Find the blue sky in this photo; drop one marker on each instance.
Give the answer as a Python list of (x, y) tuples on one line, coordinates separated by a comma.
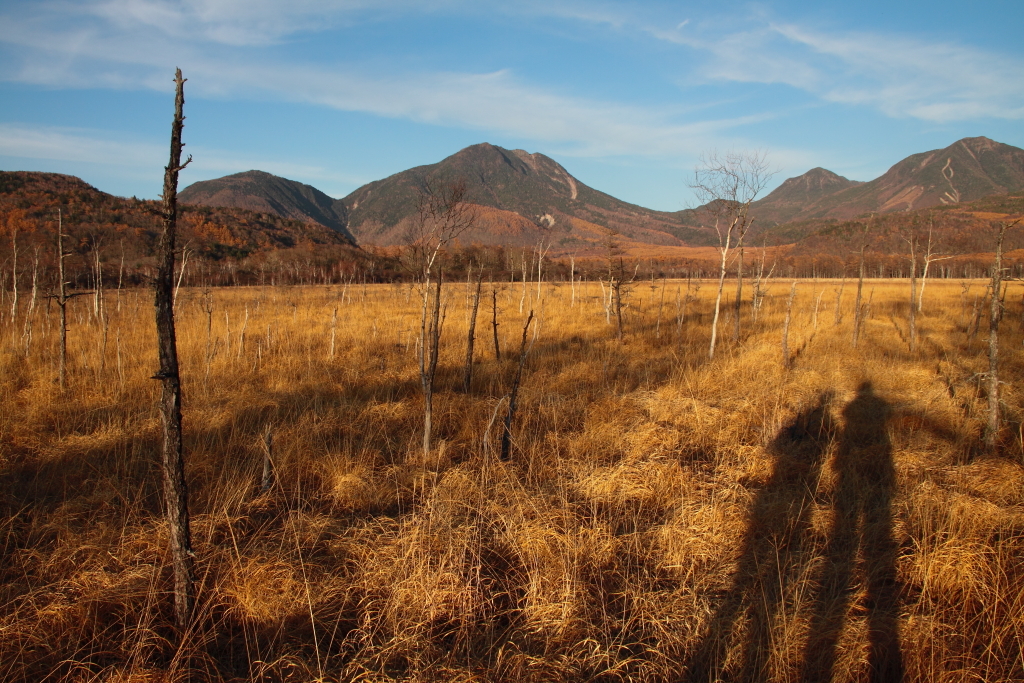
[(625, 95)]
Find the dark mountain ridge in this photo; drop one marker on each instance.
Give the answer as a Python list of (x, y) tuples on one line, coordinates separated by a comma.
[(267, 193), (31, 200), (793, 197), (533, 187), (969, 169), (523, 199), (526, 198)]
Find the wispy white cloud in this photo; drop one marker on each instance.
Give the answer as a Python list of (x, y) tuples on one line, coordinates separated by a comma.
[(64, 144), (501, 102), (236, 22), (899, 75), (497, 101), (101, 147), (130, 43), (908, 77)]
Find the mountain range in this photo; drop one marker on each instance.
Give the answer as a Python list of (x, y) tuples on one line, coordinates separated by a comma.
[(523, 198), (29, 204), (967, 170)]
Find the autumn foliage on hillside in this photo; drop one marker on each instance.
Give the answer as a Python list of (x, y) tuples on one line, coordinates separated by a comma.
[(123, 233), (229, 246)]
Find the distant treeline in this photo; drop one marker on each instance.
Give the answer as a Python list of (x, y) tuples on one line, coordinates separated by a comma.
[(109, 242), (29, 260)]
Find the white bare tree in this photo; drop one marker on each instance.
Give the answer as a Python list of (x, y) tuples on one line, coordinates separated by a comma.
[(994, 422), (929, 257), (726, 185), (443, 215)]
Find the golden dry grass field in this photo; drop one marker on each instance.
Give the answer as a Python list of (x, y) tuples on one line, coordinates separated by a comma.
[(663, 517)]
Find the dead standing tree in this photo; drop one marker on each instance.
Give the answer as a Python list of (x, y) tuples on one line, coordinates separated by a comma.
[(442, 215), (61, 297), (858, 312), (757, 298), (913, 242), (175, 487), (738, 306), (618, 285), (467, 373), (513, 396), (929, 257), (995, 315), (727, 186)]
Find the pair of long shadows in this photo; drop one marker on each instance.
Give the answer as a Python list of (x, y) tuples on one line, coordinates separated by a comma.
[(859, 555)]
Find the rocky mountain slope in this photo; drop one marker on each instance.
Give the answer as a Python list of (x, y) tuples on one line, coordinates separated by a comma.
[(524, 198), (969, 169), (267, 193), (792, 199)]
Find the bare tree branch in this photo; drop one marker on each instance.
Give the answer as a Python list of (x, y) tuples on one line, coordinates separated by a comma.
[(727, 185)]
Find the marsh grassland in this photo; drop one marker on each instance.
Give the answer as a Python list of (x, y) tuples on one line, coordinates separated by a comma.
[(828, 516)]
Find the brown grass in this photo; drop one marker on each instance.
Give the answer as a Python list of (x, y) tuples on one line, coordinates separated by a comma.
[(663, 517)]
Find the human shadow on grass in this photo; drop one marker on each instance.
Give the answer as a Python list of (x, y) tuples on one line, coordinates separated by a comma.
[(771, 552), (858, 572)]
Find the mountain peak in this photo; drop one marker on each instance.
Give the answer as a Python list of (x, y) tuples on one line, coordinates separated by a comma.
[(795, 195), (979, 143), (265, 192), (519, 193), (970, 168), (253, 173), (816, 181)]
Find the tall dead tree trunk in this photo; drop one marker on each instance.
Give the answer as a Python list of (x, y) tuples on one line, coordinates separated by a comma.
[(786, 361), (727, 186), (616, 288), (14, 275), (858, 313), (572, 280), (513, 397), (120, 277), (442, 217), (929, 258), (739, 290), (467, 375), (62, 303), (62, 297), (724, 252), (837, 313), (912, 313), (757, 298), (995, 313), (175, 487), (26, 333), (430, 334), (494, 323), (99, 303), (97, 278)]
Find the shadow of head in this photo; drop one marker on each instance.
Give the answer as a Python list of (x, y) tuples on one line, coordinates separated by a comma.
[(866, 417), (807, 437)]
